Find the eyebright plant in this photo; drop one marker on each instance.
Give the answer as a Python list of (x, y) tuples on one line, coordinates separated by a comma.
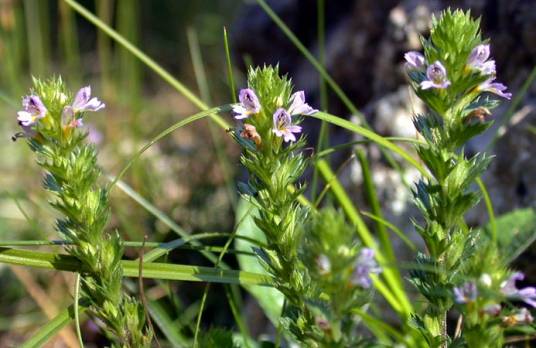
[(314, 256), (53, 128), (462, 268)]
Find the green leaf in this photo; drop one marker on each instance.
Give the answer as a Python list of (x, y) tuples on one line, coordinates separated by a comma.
[(155, 270), (270, 299), (516, 232), (46, 332), (168, 327)]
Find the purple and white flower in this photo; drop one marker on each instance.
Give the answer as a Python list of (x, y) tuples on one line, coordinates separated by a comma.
[(83, 101), (298, 106), (33, 111), (365, 266), (249, 104), (436, 75), (283, 126), (414, 60), (466, 293), (527, 295), (495, 88), (478, 59)]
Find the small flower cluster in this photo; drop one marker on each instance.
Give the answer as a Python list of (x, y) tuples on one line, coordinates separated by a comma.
[(468, 294), (437, 76), (33, 110), (282, 118)]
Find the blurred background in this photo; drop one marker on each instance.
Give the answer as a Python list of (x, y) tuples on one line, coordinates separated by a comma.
[(191, 176)]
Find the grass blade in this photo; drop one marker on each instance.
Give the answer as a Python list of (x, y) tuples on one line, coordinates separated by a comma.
[(372, 199), (513, 106), (167, 326), (375, 137), (145, 59), (202, 83), (46, 332), (230, 75), (76, 307), (393, 228), (167, 271), (489, 208)]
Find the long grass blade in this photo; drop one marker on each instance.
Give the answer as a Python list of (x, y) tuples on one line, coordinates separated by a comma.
[(372, 199), (393, 228), (489, 208), (309, 56), (513, 106), (76, 307), (49, 330), (60, 262), (167, 326), (148, 61), (104, 11), (376, 138), (202, 82), (69, 40), (230, 75), (379, 326), (323, 137)]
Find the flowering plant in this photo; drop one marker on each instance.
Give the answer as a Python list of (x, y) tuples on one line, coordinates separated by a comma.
[(327, 274), (53, 130)]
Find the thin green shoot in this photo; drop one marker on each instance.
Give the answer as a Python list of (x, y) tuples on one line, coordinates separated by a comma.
[(230, 75), (76, 310), (202, 83)]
